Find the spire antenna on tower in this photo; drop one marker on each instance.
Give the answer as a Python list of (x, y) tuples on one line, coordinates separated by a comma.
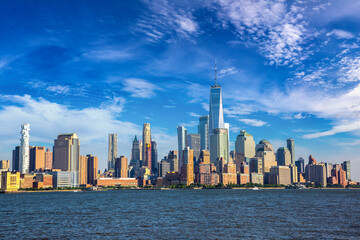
[(215, 75)]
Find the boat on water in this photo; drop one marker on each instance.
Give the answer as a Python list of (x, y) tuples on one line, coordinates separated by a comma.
[(256, 188)]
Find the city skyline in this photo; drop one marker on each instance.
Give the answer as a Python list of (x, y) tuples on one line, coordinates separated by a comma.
[(299, 82)]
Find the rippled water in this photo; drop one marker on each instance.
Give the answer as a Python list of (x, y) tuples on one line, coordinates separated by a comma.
[(179, 214)]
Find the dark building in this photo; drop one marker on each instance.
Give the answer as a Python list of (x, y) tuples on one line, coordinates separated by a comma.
[(300, 164), (154, 158), (16, 159)]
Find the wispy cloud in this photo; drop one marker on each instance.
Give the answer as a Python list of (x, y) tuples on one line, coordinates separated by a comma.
[(164, 22), (107, 55), (192, 114), (140, 88), (341, 34), (253, 122), (277, 28), (227, 71)]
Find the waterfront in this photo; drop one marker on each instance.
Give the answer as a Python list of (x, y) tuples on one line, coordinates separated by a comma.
[(176, 214)]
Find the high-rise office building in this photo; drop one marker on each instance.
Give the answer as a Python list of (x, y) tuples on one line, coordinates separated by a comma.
[(25, 149), (67, 155), (328, 167), (146, 139), (48, 159), (203, 130), (154, 158), (346, 166), (280, 175), (112, 150), (135, 151), (205, 157), (147, 162), (164, 167), (219, 147), (244, 147), (16, 158), (83, 170), (265, 151), (193, 141), (187, 171), (121, 167), (37, 158), (174, 161), (291, 146), (182, 143), (92, 165), (283, 156), (293, 173), (300, 163)]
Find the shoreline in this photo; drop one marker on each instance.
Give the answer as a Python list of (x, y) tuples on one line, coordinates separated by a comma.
[(146, 189)]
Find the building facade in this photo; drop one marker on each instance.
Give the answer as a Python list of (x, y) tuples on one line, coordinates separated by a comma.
[(25, 149), (203, 130), (67, 155), (112, 150), (182, 143), (291, 146)]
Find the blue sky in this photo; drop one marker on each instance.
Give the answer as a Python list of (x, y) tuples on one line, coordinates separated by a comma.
[(287, 69)]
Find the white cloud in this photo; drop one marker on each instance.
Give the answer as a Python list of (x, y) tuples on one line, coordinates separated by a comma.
[(341, 34), (253, 122), (350, 70), (164, 21), (189, 124), (140, 88), (192, 114), (107, 55), (227, 71), (58, 89), (277, 28)]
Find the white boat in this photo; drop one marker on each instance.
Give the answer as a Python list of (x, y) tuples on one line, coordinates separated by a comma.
[(255, 188)]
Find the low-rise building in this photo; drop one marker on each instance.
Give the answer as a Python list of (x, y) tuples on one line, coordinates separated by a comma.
[(127, 182), (10, 181)]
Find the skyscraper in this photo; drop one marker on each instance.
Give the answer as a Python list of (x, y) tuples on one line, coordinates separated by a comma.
[(203, 130), (146, 139), (265, 151), (216, 121), (219, 147), (25, 150), (67, 155), (283, 157), (291, 146), (113, 150), (16, 158), (121, 167), (83, 170), (135, 151), (193, 141), (182, 143), (300, 163), (346, 166), (187, 171), (92, 164), (154, 158), (147, 162), (48, 159), (244, 146), (37, 158)]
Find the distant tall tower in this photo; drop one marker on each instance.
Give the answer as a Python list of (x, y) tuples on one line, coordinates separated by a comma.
[(193, 141), (216, 121), (67, 155), (182, 143), (154, 158), (146, 139), (283, 156), (219, 147), (147, 162), (244, 146), (113, 150), (135, 151), (203, 130), (25, 150), (291, 146)]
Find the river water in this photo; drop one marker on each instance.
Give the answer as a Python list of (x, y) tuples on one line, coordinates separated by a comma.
[(182, 214)]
